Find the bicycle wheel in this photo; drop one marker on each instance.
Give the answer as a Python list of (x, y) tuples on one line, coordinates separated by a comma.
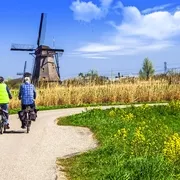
[(4, 128), (28, 129), (1, 128)]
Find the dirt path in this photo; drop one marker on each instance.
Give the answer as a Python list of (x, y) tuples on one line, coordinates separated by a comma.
[(33, 156)]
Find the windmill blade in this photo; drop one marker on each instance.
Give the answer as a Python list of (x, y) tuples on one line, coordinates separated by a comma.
[(54, 50), (42, 29), (25, 66), (57, 64), (22, 74), (22, 47)]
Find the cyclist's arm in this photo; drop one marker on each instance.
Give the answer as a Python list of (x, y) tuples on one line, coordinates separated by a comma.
[(20, 93), (34, 91), (9, 93)]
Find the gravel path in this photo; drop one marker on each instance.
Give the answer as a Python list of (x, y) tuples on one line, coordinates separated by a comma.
[(33, 156)]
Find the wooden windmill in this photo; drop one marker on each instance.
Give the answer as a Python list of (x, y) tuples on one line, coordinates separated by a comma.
[(24, 70), (46, 63)]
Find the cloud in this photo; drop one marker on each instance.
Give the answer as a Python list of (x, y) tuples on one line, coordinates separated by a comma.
[(89, 55), (85, 11), (88, 11), (138, 33), (106, 3), (157, 25), (156, 8), (96, 47)]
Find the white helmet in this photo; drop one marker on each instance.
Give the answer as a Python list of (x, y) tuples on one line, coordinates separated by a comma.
[(27, 79)]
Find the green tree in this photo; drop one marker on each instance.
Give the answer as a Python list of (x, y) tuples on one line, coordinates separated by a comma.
[(81, 75), (147, 70), (92, 74)]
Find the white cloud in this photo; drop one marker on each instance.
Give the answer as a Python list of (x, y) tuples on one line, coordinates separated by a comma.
[(85, 11), (88, 55), (97, 57), (88, 11), (156, 8), (119, 5), (138, 32), (106, 3), (157, 25), (96, 47)]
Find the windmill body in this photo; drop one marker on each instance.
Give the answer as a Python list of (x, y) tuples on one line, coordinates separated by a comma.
[(46, 63), (44, 67)]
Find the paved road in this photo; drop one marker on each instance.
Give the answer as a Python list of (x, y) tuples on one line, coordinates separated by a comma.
[(33, 156)]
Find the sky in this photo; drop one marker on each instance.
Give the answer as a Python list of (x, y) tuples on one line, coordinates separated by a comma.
[(108, 36)]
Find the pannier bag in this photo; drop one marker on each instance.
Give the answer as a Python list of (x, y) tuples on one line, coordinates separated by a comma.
[(22, 115), (32, 115)]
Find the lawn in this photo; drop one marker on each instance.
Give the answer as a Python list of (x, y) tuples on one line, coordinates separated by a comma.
[(136, 143)]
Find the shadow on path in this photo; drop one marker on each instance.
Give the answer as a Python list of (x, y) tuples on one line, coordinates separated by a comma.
[(14, 132)]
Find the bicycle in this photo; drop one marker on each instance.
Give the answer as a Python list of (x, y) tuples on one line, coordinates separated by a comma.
[(27, 115), (3, 118), (27, 118)]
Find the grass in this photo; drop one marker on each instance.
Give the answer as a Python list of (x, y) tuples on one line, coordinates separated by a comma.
[(141, 143)]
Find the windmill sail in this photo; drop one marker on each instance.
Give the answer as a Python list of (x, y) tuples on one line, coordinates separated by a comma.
[(42, 30), (22, 47)]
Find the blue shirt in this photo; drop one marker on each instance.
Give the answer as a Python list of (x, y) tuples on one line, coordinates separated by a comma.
[(27, 93)]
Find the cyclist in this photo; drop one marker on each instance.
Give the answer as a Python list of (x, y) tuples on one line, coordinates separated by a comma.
[(5, 95), (27, 95)]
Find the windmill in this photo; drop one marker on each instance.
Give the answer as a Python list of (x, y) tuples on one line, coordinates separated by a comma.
[(24, 70), (46, 59)]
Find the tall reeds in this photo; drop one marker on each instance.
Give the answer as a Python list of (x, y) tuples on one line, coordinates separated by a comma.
[(140, 91)]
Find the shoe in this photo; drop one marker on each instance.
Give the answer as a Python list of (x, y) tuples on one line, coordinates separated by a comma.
[(7, 126), (23, 127)]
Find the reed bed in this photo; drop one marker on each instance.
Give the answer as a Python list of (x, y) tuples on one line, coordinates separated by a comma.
[(147, 91)]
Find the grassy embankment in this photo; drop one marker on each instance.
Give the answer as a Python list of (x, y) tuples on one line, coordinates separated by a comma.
[(140, 143)]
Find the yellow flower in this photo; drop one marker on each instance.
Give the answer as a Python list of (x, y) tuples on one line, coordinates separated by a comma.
[(172, 148), (127, 117), (112, 113)]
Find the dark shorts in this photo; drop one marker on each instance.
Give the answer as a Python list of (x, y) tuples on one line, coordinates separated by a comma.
[(23, 106)]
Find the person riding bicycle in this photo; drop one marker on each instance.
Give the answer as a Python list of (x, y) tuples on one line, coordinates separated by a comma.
[(5, 95), (27, 95)]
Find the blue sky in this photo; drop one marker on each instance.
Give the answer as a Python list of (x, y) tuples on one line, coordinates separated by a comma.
[(109, 36)]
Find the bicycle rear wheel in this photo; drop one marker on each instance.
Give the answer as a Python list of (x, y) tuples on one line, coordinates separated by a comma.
[(4, 128), (28, 129), (1, 128)]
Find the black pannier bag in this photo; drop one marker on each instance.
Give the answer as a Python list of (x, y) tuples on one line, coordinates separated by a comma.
[(33, 115), (22, 115)]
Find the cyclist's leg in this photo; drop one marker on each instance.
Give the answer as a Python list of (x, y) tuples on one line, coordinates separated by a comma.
[(23, 123), (23, 106), (5, 107)]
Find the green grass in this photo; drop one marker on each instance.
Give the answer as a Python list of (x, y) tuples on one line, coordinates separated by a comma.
[(42, 108), (131, 144)]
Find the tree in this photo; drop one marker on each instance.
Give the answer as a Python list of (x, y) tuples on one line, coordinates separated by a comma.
[(92, 74), (147, 70), (81, 75)]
